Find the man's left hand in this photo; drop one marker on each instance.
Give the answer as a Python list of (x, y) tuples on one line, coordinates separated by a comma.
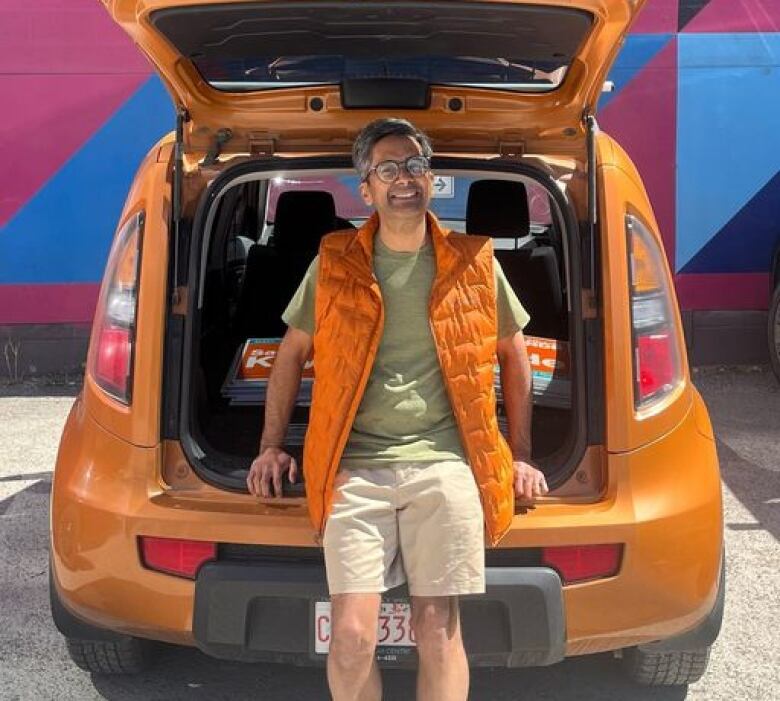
[(529, 482)]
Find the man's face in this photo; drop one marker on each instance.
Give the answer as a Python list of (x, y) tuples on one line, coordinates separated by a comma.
[(407, 197)]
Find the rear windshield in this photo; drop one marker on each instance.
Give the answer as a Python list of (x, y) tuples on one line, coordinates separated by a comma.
[(268, 72), (449, 203), (261, 46)]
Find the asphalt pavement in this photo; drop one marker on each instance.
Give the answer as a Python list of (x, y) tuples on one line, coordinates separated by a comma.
[(745, 665)]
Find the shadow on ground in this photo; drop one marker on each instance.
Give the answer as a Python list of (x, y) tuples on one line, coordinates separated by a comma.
[(744, 406), (187, 674), (42, 486), (41, 387), (756, 488)]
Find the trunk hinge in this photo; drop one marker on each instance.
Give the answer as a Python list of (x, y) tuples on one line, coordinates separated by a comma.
[(590, 296), (182, 116), (220, 139)]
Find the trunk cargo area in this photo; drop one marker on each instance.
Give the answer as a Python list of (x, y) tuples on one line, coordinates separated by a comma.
[(260, 230)]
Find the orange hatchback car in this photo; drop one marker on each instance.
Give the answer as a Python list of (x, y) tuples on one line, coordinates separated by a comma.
[(153, 533)]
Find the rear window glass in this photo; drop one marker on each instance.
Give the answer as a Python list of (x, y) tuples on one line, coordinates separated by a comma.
[(240, 47), (268, 72), (449, 201)]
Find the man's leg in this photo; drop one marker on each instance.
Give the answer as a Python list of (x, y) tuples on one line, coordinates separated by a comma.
[(442, 541), (443, 674), (360, 544), (353, 674)]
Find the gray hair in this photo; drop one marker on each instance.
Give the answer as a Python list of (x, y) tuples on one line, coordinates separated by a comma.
[(378, 129)]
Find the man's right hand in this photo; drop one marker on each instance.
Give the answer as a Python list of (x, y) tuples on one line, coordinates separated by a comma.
[(267, 469)]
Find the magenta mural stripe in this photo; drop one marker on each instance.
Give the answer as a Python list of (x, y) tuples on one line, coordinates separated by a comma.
[(65, 36), (723, 16), (725, 291), (657, 17), (62, 112), (48, 304), (643, 119)]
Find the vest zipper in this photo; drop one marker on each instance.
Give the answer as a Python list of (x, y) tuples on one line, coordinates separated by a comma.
[(348, 419), (457, 422)]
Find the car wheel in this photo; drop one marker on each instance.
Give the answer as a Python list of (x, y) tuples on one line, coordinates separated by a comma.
[(774, 332), (126, 656), (665, 668)]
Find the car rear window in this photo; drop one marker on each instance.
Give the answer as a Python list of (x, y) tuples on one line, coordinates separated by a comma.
[(268, 72), (450, 198), (261, 46)]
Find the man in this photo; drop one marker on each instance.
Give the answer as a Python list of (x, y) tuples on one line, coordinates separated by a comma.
[(406, 470)]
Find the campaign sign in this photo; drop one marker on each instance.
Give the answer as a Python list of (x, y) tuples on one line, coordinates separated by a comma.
[(257, 359)]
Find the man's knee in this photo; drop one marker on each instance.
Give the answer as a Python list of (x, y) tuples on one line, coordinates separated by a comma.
[(353, 633), (436, 625)]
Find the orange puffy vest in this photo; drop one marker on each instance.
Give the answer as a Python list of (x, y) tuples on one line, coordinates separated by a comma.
[(349, 318)]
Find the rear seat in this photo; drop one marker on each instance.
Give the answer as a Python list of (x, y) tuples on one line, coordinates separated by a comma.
[(499, 208), (273, 273)]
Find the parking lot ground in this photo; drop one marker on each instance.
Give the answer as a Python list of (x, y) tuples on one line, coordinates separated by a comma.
[(745, 407)]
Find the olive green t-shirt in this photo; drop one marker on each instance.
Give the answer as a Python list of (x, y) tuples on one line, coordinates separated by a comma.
[(405, 414)]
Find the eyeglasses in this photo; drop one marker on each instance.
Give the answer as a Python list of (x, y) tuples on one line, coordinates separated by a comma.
[(388, 171)]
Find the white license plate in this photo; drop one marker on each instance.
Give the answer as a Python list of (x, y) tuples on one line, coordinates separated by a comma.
[(394, 627)]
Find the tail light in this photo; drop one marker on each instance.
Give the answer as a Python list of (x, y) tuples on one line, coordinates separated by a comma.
[(113, 330), (579, 563), (657, 356), (182, 558)]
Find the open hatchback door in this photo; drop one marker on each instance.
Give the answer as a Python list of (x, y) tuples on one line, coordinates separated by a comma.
[(269, 77)]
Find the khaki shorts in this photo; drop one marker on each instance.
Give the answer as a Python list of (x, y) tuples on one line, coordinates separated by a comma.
[(415, 522)]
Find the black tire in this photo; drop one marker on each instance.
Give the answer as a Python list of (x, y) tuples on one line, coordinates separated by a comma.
[(665, 668), (126, 656), (773, 336)]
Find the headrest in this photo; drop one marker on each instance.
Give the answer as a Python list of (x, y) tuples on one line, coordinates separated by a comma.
[(302, 219), (498, 208)]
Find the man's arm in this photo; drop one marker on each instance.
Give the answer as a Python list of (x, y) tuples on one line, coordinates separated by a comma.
[(515, 376), (516, 388), (283, 384), (272, 461)]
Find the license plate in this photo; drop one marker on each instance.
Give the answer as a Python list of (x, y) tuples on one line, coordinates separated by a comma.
[(394, 627)]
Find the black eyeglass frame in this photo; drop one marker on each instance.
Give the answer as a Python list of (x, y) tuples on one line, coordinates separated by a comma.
[(401, 164)]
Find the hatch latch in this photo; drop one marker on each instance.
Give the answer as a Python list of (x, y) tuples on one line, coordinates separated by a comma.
[(261, 145), (511, 147)]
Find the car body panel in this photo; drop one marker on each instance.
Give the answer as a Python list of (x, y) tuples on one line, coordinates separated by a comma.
[(662, 501), (139, 423), (285, 118), (621, 191)]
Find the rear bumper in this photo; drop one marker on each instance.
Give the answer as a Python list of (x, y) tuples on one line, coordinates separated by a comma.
[(662, 503), (266, 613)]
